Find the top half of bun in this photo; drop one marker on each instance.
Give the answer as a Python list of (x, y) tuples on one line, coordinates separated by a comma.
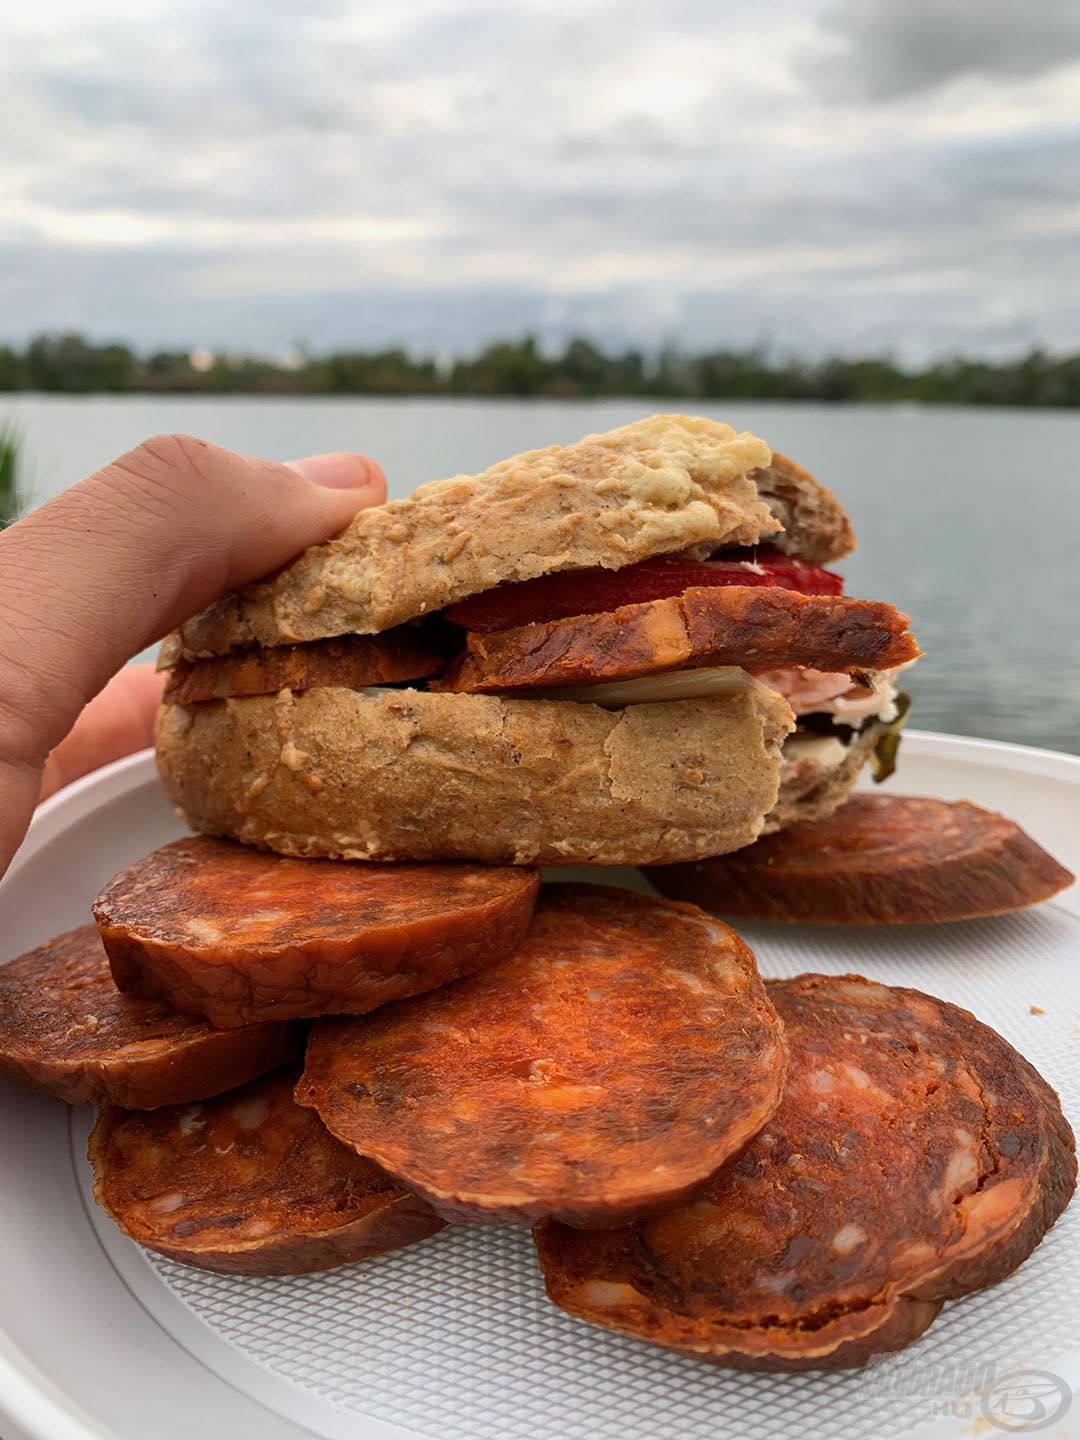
[(664, 484)]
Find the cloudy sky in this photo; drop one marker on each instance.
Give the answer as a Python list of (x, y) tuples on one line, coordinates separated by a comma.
[(813, 174)]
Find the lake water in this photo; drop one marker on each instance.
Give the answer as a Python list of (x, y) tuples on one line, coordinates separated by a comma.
[(968, 519)]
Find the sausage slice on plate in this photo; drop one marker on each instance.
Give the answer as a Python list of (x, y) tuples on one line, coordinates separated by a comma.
[(882, 859), (237, 935), (915, 1157), (67, 1030), (603, 1072), (248, 1183)]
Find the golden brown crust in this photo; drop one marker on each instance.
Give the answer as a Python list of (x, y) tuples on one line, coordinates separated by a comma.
[(915, 1157), (602, 1073), (753, 626), (350, 660), (879, 859), (249, 1183), (816, 525), (407, 775), (662, 484), (237, 935), (66, 1030)]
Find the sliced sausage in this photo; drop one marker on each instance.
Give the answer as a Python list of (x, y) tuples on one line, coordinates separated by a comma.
[(915, 1157), (352, 660), (604, 1071), (239, 936), (881, 859), (67, 1030), (248, 1183), (757, 628)]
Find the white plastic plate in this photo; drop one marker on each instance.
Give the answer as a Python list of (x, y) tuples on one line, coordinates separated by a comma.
[(454, 1338)]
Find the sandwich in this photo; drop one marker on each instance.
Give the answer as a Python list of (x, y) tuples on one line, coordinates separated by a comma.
[(619, 652)]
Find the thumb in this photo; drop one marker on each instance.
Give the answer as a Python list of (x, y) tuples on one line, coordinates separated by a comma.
[(115, 562), (340, 470)]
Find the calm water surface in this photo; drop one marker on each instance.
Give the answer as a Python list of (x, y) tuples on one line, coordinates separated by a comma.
[(967, 519)]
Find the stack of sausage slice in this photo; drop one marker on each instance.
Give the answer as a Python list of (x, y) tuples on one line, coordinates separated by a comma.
[(915, 1157), (181, 1016), (789, 1175)]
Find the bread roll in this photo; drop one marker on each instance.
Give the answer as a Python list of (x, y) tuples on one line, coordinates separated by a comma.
[(408, 775)]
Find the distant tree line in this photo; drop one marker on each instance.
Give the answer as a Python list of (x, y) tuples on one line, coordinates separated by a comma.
[(72, 364)]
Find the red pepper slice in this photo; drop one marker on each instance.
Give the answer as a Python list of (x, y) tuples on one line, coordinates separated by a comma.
[(588, 592)]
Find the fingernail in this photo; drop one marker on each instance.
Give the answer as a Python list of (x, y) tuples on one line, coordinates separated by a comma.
[(341, 470)]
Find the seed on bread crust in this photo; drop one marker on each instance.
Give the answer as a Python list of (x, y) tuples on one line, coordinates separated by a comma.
[(656, 486)]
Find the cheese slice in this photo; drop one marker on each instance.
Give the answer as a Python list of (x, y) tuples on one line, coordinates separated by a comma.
[(705, 684), (827, 750)]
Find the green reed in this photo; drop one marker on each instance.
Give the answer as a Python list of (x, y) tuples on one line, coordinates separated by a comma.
[(11, 447)]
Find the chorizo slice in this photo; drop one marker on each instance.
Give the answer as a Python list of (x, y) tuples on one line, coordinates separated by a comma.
[(755, 627), (604, 1071), (350, 660), (915, 1157), (248, 1183), (240, 936), (879, 859), (66, 1029)]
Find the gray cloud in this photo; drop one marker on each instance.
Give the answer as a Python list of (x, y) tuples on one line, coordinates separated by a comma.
[(896, 48), (244, 176), (207, 72), (935, 305)]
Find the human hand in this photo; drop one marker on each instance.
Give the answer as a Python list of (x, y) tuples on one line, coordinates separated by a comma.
[(116, 562)]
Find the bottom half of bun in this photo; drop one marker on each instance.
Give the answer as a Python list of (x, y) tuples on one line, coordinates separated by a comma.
[(407, 775)]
